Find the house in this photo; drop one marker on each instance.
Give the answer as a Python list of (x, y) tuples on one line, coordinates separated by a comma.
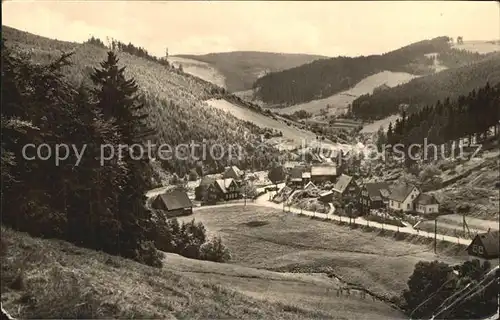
[(201, 189), (346, 187), (306, 177), (374, 195), (485, 247), (223, 190), (174, 203), (310, 186), (233, 172), (326, 196), (426, 204), (289, 165), (401, 197), (323, 173), (295, 177)]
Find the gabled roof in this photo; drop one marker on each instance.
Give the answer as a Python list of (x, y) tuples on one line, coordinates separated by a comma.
[(328, 170), (325, 194), (490, 243), (375, 190), (401, 192), (206, 181), (342, 183), (310, 185), (233, 171), (175, 199), (426, 199), (224, 184)]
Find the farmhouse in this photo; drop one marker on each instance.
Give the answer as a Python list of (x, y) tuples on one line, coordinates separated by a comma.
[(295, 179), (374, 195), (323, 173), (201, 189), (346, 187), (174, 203), (223, 189), (485, 247), (233, 172), (402, 197), (426, 204)]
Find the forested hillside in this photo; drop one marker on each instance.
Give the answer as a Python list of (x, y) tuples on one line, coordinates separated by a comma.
[(427, 90), (173, 100), (323, 78), (242, 68), (468, 115)]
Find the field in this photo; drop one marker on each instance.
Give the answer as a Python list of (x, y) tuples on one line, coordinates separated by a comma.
[(374, 126), (341, 100), (481, 47), (199, 69), (284, 242), (59, 280), (452, 225), (289, 132)]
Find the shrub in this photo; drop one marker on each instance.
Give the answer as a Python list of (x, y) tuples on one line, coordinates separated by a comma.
[(214, 250)]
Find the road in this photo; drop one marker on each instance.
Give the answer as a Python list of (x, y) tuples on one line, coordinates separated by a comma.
[(263, 201)]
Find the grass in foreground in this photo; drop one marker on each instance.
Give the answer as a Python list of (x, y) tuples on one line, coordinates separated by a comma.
[(54, 279), (288, 242)]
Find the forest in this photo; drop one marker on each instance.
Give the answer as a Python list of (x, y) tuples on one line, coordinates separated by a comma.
[(325, 77), (427, 90)]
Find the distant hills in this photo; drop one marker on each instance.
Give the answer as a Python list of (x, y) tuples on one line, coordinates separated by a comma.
[(323, 78), (242, 68)]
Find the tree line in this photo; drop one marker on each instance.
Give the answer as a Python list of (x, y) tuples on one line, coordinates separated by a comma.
[(427, 90), (470, 116), (325, 77)]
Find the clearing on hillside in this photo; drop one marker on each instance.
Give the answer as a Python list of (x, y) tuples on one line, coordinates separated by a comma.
[(384, 123), (199, 69), (292, 133), (339, 102), (293, 243), (482, 47)]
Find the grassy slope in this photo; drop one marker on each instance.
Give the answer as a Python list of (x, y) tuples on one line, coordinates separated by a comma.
[(242, 68), (447, 83), (481, 47), (287, 242), (341, 100), (199, 69), (53, 279)]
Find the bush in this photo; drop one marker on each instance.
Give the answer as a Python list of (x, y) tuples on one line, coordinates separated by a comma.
[(215, 251)]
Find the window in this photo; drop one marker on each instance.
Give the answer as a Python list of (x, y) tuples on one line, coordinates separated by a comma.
[(407, 206), (430, 209), (392, 203), (474, 248), (399, 205), (480, 250)]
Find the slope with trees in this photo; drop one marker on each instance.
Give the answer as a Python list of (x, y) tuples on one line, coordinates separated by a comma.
[(427, 90), (242, 68), (323, 78)]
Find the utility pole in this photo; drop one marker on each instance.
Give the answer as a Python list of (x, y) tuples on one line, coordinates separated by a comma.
[(435, 235)]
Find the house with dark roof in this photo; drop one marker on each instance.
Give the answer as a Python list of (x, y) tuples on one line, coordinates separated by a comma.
[(223, 190), (200, 190), (233, 172), (374, 195), (346, 187), (485, 247), (295, 178), (323, 173), (326, 196), (402, 196), (174, 203), (426, 204)]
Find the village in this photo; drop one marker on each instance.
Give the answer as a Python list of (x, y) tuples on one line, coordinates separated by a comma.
[(330, 190)]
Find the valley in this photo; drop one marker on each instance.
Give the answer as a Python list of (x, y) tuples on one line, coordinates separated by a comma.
[(276, 189)]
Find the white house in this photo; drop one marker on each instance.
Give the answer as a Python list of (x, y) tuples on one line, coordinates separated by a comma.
[(402, 198), (426, 204)]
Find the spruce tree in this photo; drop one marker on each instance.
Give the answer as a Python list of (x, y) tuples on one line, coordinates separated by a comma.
[(118, 99)]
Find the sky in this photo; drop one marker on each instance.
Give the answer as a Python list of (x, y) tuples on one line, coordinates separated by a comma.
[(350, 28)]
